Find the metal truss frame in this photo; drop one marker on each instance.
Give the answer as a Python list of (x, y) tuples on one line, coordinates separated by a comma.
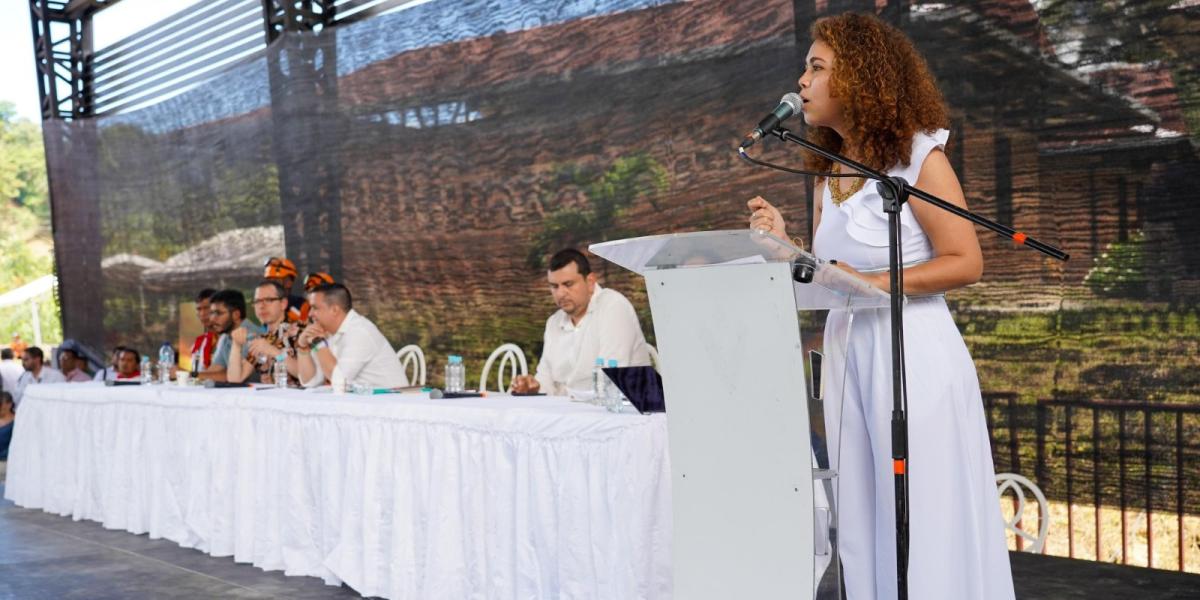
[(62, 49), (290, 15)]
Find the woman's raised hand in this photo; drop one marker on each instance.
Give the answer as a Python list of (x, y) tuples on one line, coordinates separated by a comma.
[(766, 218)]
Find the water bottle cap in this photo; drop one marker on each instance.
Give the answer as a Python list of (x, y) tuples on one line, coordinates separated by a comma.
[(281, 356), (612, 363), (599, 362)]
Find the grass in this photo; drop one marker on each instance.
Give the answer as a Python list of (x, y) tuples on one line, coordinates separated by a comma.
[(1123, 351), (1081, 529), (1114, 351)]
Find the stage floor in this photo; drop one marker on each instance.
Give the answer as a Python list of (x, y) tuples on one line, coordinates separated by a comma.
[(44, 556), (48, 557)]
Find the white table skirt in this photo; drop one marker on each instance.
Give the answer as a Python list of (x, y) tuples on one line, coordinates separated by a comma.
[(396, 495)]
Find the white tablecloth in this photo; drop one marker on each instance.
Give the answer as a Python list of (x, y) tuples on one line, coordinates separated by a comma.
[(396, 495)]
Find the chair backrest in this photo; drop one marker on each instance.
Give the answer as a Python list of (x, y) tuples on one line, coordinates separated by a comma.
[(653, 356), (1018, 485), (512, 358), (412, 355)]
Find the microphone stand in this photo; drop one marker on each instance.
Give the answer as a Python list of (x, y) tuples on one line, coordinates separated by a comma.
[(895, 192)]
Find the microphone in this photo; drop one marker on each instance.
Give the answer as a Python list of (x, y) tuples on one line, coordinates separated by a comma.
[(788, 106)]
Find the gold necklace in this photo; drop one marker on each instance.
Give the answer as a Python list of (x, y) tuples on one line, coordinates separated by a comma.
[(835, 187)]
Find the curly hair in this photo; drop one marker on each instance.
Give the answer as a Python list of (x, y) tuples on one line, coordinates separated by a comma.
[(886, 89)]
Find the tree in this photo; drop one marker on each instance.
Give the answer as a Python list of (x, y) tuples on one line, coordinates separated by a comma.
[(26, 248), (608, 194), (1088, 33), (23, 164)]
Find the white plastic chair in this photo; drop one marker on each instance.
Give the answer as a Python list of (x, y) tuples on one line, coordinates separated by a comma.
[(653, 356), (510, 356), (412, 355), (1018, 486)]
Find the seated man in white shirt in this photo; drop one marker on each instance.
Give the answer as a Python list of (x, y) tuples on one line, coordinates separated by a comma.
[(591, 322), (344, 344), (35, 372), (10, 370)]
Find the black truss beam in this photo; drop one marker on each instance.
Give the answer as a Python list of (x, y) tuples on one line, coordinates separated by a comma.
[(300, 34), (63, 55), (291, 15)]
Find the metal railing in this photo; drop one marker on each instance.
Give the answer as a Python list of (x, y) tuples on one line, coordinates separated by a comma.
[(1120, 455)]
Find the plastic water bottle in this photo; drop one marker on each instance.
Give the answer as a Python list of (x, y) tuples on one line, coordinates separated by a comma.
[(338, 382), (166, 358), (144, 368), (280, 373), (460, 375), (454, 381), (599, 382), (614, 398), (196, 366)]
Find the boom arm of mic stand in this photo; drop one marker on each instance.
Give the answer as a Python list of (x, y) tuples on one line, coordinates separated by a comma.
[(910, 190)]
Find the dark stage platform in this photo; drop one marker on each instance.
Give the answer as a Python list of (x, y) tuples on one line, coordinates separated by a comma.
[(44, 556)]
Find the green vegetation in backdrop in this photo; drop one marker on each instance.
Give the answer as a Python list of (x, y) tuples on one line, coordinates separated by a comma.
[(26, 247)]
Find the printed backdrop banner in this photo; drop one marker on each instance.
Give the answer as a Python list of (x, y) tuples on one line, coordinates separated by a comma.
[(433, 157)]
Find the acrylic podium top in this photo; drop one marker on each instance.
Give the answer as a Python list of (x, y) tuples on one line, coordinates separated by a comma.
[(830, 287)]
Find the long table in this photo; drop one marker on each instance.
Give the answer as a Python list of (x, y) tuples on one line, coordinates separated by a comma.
[(396, 495)]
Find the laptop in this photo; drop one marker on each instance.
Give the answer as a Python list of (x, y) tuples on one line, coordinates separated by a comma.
[(641, 385)]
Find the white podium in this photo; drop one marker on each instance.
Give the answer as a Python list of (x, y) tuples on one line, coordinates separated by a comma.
[(749, 522)]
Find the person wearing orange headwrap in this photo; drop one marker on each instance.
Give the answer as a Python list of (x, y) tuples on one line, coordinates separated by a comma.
[(316, 279), (284, 271)]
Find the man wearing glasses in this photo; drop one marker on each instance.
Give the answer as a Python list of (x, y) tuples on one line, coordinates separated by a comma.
[(284, 272), (270, 306), (227, 312)]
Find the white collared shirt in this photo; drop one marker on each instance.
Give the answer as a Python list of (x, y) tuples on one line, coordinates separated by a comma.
[(47, 375), (363, 356), (10, 373), (108, 373), (609, 330)]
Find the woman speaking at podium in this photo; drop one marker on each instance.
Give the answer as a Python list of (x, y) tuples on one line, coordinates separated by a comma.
[(869, 95)]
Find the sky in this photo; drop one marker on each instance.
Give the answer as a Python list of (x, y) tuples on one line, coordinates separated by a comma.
[(18, 84)]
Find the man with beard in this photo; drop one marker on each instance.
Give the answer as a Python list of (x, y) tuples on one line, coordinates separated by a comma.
[(227, 312), (35, 372)]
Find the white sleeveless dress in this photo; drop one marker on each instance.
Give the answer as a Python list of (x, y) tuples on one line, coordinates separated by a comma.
[(957, 544)]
